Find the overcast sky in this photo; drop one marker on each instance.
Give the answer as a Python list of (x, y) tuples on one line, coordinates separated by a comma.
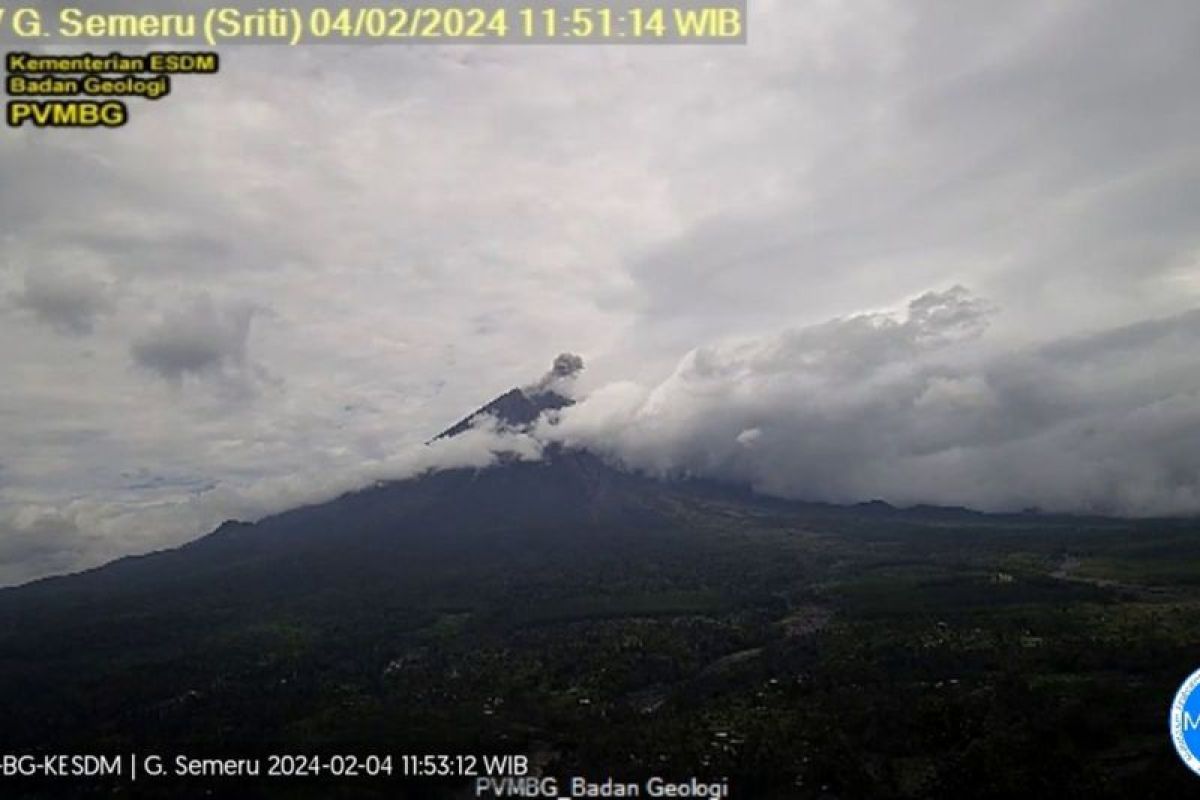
[(923, 251)]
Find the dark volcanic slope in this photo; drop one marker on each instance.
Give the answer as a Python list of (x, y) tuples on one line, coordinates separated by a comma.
[(388, 530), (515, 408), (366, 541)]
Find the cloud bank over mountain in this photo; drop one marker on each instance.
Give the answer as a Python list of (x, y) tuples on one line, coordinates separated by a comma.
[(916, 407)]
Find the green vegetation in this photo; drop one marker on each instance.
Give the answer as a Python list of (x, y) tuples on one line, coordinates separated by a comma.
[(803, 651)]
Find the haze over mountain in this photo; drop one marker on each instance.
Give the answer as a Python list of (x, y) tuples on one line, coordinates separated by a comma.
[(485, 482)]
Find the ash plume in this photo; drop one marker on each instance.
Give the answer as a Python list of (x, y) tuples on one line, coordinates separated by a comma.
[(562, 373)]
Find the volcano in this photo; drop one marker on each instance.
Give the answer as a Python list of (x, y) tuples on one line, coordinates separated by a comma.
[(609, 623), (387, 532)]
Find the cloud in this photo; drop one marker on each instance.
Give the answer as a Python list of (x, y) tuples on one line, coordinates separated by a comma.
[(561, 376), (68, 303), (917, 407), (37, 539), (35, 542), (199, 339)]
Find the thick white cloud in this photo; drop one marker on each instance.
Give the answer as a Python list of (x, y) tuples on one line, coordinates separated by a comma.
[(917, 408), (420, 228)]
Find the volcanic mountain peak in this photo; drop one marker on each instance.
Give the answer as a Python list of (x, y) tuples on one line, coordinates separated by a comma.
[(515, 409), (518, 408)]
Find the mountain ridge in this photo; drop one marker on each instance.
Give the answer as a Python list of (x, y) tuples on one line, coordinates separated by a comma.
[(566, 487)]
